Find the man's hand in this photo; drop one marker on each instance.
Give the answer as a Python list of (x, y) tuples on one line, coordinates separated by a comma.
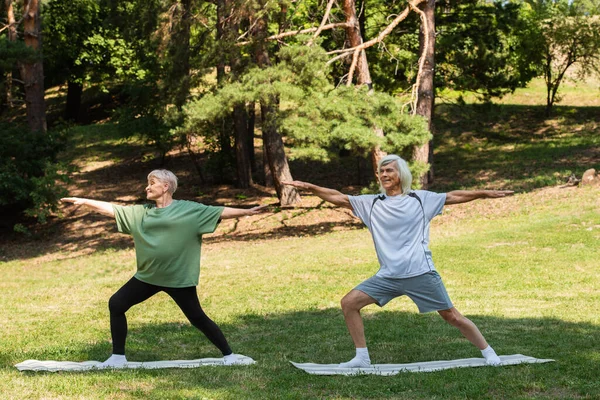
[(331, 195), (494, 194), (464, 196), (297, 184)]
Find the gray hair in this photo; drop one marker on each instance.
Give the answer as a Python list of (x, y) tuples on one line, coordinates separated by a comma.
[(165, 176), (403, 171)]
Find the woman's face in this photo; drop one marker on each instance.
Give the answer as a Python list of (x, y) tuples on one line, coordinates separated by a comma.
[(156, 189), (389, 176)]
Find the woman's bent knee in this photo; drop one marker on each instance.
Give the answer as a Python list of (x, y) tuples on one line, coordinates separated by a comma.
[(115, 306)]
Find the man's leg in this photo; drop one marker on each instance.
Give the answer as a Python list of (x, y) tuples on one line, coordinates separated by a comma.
[(471, 332), (130, 294), (187, 300), (352, 303)]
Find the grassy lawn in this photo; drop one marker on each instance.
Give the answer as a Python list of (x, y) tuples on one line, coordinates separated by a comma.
[(524, 269), (526, 274)]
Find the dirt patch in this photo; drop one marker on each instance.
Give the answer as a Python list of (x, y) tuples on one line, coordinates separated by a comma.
[(77, 231)]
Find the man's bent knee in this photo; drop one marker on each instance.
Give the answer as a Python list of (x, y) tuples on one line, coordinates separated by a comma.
[(451, 316), (355, 301)]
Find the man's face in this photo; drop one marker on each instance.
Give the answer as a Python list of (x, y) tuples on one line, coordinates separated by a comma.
[(389, 176), (156, 189)]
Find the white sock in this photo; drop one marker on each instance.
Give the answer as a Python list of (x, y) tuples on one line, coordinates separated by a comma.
[(115, 361), (491, 358), (237, 359), (361, 360)]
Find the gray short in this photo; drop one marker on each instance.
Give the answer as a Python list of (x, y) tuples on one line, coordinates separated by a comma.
[(427, 291)]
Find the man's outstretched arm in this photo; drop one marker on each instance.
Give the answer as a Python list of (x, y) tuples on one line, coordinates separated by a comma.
[(101, 207), (464, 196), (330, 195)]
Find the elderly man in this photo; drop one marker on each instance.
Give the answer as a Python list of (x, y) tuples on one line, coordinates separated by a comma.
[(398, 220), (168, 239)]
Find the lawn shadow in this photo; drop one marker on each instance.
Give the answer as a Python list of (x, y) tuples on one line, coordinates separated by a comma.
[(320, 336), (513, 146), (80, 231)]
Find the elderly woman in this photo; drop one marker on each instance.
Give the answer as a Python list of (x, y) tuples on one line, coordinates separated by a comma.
[(398, 220), (168, 239)]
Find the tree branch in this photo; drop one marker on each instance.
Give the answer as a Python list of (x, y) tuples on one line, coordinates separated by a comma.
[(421, 59), (299, 32), (382, 35), (325, 18)]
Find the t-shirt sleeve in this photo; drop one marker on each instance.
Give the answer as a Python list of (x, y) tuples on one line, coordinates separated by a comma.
[(361, 206), (433, 203), (125, 217), (208, 218)]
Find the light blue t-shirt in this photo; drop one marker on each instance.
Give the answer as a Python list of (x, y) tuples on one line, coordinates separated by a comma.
[(400, 231)]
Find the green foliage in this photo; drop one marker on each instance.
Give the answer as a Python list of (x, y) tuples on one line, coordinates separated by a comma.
[(317, 119), (28, 170), (67, 26), (484, 48), (565, 34), (109, 58), (11, 52)]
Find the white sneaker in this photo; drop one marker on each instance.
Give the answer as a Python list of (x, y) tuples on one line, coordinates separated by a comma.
[(114, 361), (237, 359), (356, 362), (493, 360)]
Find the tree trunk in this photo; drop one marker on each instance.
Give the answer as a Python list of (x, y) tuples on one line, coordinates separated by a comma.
[(355, 39), (250, 111), (272, 140), (242, 154), (74, 92), (426, 92), (364, 76), (548, 79), (180, 52), (288, 196), (243, 146), (12, 37), (32, 73)]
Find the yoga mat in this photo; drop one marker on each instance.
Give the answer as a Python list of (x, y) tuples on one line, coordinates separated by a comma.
[(54, 366), (427, 366)]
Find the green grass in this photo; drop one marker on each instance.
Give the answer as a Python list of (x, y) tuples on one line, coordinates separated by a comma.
[(524, 269), (526, 274), (511, 144)]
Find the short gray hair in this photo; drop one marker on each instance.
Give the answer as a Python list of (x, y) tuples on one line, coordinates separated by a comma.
[(165, 176), (403, 171)]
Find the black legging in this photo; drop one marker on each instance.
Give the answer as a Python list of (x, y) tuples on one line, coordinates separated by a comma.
[(136, 291)]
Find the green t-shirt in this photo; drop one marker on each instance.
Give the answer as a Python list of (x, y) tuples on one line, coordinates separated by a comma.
[(168, 240)]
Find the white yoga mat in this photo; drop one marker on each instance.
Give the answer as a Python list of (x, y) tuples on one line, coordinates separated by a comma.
[(54, 366), (428, 366)]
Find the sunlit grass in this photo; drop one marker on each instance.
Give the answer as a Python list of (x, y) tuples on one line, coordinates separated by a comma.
[(526, 274)]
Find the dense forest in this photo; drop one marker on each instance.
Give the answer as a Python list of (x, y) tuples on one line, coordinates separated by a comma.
[(313, 79)]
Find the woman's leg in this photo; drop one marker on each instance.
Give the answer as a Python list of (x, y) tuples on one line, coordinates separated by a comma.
[(130, 294), (187, 300)]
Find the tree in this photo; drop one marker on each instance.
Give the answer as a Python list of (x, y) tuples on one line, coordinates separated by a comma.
[(11, 35), (425, 88), (272, 140), (67, 27), (566, 38), (569, 42), (32, 72)]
